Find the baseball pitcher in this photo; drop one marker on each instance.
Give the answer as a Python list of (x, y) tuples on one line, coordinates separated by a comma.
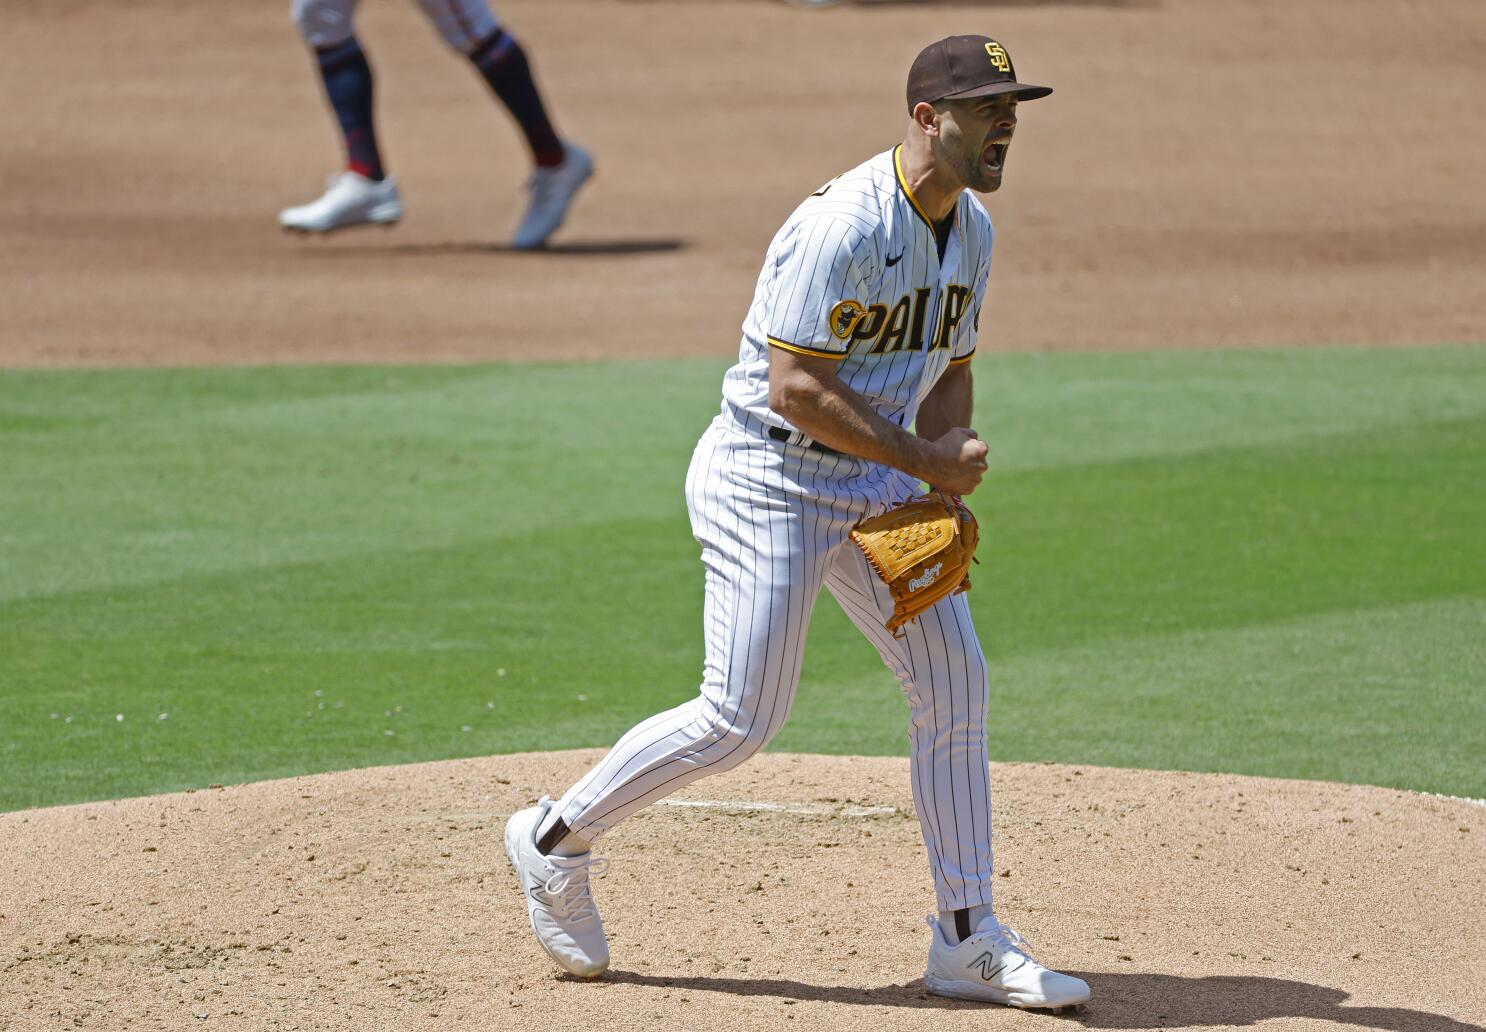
[(852, 386)]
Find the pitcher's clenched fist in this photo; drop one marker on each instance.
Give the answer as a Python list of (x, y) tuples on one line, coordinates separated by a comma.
[(963, 457)]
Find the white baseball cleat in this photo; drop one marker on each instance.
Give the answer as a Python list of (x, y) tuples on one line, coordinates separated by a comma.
[(350, 199), (994, 964), (552, 191), (557, 896)]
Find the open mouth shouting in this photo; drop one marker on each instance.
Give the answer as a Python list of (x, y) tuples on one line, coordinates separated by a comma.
[(994, 155)]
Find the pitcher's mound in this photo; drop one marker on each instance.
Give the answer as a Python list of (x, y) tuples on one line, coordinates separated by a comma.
[(787, 894)]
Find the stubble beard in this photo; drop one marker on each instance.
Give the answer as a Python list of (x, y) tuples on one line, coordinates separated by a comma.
[(951, 152)]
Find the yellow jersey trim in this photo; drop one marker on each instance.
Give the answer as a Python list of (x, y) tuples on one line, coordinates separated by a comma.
[(903, 185), (797, 349), (962, 359)]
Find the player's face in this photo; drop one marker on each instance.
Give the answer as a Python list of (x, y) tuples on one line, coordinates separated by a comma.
[(974, 136)]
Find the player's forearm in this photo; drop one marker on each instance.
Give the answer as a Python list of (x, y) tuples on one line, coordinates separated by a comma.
[(949, 404), (838, 417)]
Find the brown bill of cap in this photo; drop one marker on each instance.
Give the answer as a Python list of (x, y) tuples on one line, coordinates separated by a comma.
[(966, 66)]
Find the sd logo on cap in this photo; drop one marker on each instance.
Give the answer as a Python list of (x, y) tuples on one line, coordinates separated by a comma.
[(956, 67)]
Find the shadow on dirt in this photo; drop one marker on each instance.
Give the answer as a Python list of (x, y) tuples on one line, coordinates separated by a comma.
[(567, 249), (979, 3), (1143, 1000), (1121, 1001)]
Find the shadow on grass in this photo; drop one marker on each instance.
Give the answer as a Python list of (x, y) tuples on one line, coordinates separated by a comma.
[(1120, 1001)]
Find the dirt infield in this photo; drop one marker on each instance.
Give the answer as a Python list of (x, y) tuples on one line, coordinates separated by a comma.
[(382, 899), (1208, 173)]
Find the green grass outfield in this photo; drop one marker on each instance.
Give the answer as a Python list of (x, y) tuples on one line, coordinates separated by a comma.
[(1268, 562)]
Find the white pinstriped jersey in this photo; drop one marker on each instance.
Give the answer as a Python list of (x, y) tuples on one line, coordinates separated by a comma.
[(854, 274)]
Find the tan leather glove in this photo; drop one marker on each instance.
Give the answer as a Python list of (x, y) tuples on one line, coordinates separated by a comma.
[(922, 550)]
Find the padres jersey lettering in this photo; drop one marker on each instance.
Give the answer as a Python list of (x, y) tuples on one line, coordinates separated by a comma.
[(855, 275)]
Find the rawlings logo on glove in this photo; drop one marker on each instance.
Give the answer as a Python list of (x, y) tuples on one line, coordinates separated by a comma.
[(922, 550), (930, 575)]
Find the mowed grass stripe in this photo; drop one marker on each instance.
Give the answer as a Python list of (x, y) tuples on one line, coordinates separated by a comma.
[(291, 563), (1344, 696), (182, 472)]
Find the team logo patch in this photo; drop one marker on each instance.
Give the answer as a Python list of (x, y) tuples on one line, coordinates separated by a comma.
[(999, 57), (844, 318)]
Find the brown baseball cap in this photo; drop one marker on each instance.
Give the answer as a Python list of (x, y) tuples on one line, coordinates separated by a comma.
[(965, 66)]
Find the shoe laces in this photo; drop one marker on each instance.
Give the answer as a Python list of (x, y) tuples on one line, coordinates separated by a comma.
[(569, 888), (1010, 938), (1003, 935)]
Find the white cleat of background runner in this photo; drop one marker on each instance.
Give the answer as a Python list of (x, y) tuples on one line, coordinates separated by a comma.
[(350, 199), (552, 192)]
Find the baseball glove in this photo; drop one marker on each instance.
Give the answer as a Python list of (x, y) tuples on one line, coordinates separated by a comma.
[(922, 550)]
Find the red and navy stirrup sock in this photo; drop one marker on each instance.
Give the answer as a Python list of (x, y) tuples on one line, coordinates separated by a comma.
[(500, 59), (348, 85)]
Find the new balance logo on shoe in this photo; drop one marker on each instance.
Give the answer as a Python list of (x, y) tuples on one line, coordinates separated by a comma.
[(984, 962)]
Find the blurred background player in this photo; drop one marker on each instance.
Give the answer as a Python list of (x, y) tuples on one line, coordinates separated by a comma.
[(364, 193)]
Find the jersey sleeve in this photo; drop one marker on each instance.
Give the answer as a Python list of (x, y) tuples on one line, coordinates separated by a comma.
[(818, 287)]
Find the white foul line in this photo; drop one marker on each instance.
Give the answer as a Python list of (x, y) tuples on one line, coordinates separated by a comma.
[(814, 809), (1459, 799)]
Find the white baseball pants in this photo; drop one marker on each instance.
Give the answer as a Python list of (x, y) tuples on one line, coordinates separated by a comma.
[(464, 24), (773, 520)]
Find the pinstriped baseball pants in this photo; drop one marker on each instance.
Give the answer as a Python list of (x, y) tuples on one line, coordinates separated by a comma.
[(773, 521)]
